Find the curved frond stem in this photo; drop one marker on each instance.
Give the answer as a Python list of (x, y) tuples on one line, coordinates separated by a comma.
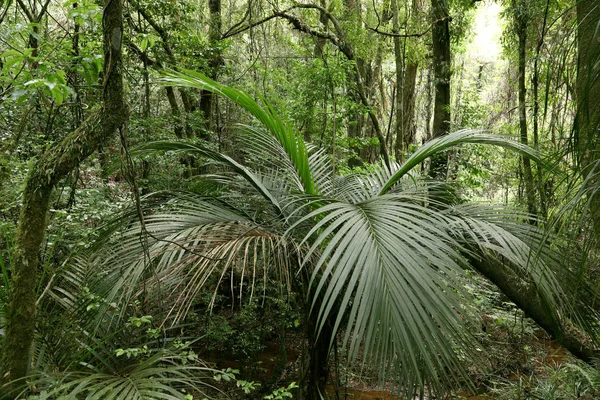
[(454, 139), (292, 143)]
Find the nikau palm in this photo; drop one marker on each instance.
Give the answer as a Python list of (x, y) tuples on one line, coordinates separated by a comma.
[(382, 265)]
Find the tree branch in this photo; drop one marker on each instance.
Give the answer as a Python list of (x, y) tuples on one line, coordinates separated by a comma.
[(239, 28), (399, 35), (142, 55), (5, 11), (159, 29), (25, 10), (302, 27), (340, 41), (42, 11)]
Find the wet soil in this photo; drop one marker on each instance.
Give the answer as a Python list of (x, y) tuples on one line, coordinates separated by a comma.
[(270, 361)]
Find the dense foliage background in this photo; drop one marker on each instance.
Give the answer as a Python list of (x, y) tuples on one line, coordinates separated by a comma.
[(388, 197)]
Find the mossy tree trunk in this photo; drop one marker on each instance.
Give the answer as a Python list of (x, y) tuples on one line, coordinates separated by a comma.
[(54, 164), (526, 295)]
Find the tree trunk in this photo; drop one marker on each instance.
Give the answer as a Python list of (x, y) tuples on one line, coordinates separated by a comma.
[(406, 81), (54, 164), (442, 73), (428, 103), (320, 42), (409, 129), (588, 97), (372, 84), (521, 30), (176, 114), (318, 363), (74, 75), (526, 296), (356, 116), (399, 59), (215, 61), (355, 124), (536, 111), (318, 53)]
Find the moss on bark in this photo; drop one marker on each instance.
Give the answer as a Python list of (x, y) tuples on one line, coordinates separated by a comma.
[(54, 164), (528, 298)]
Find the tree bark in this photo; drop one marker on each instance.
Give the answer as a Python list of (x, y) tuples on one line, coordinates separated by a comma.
[(409, 85), (527, 297), (521, 30), (215, 61), (406, 81), (54, 164), (536, 111), (428, 103), (399, 59), (442, 74), (587, 126)]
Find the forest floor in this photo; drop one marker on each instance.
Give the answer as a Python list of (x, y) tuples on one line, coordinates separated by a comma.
[(523, 361)]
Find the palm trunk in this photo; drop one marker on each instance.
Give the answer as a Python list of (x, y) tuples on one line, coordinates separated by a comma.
[(318, 363)]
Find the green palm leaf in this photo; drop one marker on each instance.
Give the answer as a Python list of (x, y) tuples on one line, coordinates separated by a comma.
[(198, 149), (191, 241), (467, 136), (293, 144), (391, 269), (160, 377), (387, 268)]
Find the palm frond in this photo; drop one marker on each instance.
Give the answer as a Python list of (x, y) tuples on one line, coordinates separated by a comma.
[(190, 241), (263, 152), (321, 165), (497, 231), (466, 136), (293, 144), (160, 377), (387, 268), (533, 260), (211, 154), (391, 269)]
